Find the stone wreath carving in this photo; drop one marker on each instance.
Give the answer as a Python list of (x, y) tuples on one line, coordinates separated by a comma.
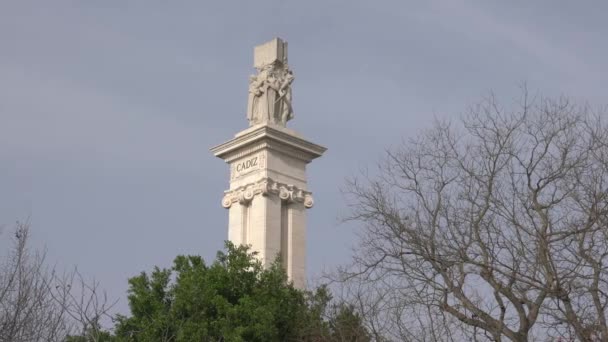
[(267, 187)]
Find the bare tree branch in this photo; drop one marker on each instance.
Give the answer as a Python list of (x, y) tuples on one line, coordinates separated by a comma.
[(36, 304), (496, 227)]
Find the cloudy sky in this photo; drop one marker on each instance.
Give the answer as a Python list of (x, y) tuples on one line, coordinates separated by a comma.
[(108, 108)]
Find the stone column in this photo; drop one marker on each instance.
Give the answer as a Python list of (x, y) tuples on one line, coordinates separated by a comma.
[(268, 194), (296, 258)]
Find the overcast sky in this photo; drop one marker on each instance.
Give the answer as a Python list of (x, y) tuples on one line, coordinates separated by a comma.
[(108, 108)]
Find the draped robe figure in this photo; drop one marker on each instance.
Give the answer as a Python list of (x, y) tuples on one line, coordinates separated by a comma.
[(269, 98), (255, 94), (286, 111)]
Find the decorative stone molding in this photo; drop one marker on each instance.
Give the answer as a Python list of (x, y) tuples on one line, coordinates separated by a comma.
[(268, 137), (267, 187)]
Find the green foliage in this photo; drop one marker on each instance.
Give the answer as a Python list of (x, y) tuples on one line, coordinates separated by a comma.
[(92, 335), (346, 325), (233, 299)]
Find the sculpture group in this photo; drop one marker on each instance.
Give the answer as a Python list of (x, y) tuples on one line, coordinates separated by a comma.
[(268, 195), (270, 90)]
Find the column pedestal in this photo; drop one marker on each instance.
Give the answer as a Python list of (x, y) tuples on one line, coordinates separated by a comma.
[(268, 195)]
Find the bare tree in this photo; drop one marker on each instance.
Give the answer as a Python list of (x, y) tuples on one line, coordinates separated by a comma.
[(492, 229), (37, 304)]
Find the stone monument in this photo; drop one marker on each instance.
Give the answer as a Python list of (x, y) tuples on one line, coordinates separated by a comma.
[(268, 194)]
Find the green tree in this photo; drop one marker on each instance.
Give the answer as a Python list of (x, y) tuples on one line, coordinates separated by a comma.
[(233, 299), (346, 325), (92, 335)]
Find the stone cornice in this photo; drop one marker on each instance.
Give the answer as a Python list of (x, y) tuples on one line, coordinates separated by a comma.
[(270, 137), (267, 187)]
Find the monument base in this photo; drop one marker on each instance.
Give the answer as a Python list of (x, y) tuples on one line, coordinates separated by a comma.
[(268, 196)]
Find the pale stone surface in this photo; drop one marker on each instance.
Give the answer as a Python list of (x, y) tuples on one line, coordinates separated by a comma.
[(270, 52), (280, 155), (296, 262), (269, 98), (238, 224), (268, 194)]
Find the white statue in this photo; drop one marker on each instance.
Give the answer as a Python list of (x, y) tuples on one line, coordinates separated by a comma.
[(286, 112), (270, 90)]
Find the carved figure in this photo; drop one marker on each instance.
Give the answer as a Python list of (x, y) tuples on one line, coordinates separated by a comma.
[(286, 112), (269, 98)]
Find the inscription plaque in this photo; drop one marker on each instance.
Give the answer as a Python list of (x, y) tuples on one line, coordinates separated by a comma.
[(247, 165)]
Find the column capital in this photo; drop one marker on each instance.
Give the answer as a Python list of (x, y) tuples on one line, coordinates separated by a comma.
[(267, 187)]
